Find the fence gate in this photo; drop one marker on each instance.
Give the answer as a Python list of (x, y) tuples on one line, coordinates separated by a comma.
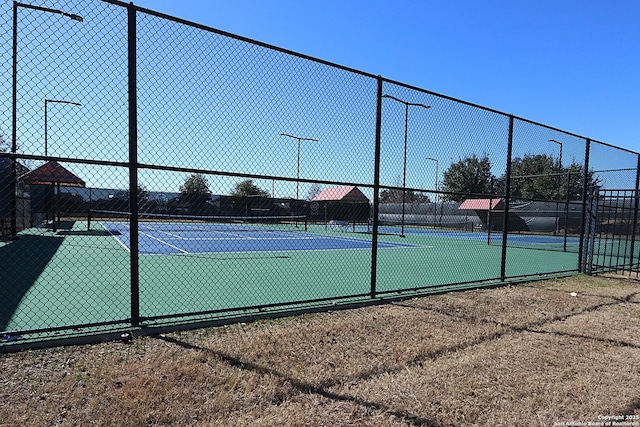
[(611, 232)]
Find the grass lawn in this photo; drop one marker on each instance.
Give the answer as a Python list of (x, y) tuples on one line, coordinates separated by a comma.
[(536, 354)]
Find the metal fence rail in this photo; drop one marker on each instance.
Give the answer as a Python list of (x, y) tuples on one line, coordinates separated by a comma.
[(157, 173)]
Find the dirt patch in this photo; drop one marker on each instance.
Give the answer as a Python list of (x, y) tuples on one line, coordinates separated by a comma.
[(543, 353)]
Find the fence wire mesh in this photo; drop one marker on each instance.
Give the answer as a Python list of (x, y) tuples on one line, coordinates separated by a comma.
[(155, 172)]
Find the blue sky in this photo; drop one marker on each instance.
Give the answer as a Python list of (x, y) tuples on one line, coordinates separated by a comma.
[(213, 103), (568, 64)]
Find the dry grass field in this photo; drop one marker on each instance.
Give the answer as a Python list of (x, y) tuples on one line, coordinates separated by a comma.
[(526, 355)]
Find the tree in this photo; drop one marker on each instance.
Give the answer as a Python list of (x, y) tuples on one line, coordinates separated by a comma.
[(195, 191), (24, 165), (469, 175), (314, 191), (5, 146), (541, 177), (394, 195), (196, 186), (248, 188), (576, 181), (535, 176), (142, 194), (142, 198)]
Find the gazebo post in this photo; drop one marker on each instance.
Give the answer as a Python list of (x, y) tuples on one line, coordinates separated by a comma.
[(53, 207), (56, 208)]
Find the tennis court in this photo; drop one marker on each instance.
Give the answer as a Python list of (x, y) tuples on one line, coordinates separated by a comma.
[(265, 234), (180, 234), (83, 277), (531, 241)]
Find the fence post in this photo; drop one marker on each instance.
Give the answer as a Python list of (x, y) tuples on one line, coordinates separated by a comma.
[(586, 185), (376, 190), (635, 216), (590, 230), (133, 166), (507, 197), (14, 129), (488, 212), (566, 212)]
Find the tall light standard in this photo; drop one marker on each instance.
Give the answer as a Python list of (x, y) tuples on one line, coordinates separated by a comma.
[(560, 155), (406, 128), (437, 196), (14, 107), (299, 139), (559, 161), (46, 129)]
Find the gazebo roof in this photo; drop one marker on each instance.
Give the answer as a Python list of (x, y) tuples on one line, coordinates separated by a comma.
[(342, 194), (52, 173), (481, 204)]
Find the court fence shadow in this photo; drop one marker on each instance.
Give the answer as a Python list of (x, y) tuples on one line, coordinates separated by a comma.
[(34, 253)]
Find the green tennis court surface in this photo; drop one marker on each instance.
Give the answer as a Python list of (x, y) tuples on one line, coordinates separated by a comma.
[(78, 277)]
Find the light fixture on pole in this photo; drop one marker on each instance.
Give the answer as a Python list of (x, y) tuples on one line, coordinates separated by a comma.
[(14, 107), (437, 195), (560, 155), (404, 169), (299, 139), (46, 129)]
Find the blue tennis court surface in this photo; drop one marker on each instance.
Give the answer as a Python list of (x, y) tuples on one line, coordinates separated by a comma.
[(196, 239)]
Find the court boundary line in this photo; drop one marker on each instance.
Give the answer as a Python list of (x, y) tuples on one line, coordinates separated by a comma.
[(127, 248), (286, 251), (308, 236)]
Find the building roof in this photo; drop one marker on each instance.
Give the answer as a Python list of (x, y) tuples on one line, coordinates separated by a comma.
[(52, 173), (481, 204), (342, 194)]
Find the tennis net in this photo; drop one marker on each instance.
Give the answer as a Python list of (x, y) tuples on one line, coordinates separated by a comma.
[(150, 222)]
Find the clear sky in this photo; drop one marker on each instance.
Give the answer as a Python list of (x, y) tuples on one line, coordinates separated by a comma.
[(212, 103), (570, 64)]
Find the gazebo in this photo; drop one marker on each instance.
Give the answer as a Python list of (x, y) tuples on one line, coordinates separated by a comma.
[(345, 204), (53, 174), (484, 209)]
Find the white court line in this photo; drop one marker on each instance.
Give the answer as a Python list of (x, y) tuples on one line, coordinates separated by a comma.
[(165, 243), (234, 236), (307, 236), (148, 235), (288, 251), (294, 235), (115, 237), (244, 238)]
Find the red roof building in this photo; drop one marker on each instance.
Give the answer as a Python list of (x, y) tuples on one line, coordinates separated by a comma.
[(488, 210), (52, 173), (346, 204), (341, 194), (481, 204)]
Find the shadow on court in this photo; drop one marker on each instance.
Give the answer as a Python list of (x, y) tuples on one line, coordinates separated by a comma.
[(22, 261), (99, 233)]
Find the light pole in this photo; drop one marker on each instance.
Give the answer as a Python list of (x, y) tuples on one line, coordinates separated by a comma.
[(14, 107), (46, 131), (406, 128), (560, 144), (437, 196), (555, 231), (299, 139)]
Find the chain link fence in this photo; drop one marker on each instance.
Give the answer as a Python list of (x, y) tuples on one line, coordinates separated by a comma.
[(156, 173)]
